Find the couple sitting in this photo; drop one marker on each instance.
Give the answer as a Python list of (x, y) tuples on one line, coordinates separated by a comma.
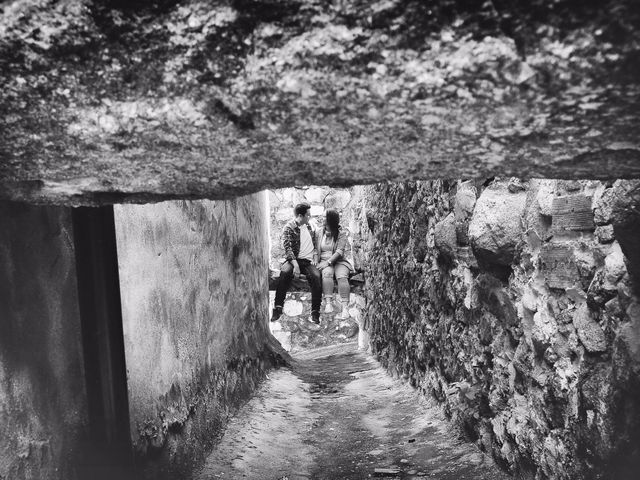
[(320, 259)]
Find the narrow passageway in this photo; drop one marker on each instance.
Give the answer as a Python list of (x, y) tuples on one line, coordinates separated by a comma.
[(337, 414)]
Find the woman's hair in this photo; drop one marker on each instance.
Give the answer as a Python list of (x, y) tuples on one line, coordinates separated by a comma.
[(332, 222)]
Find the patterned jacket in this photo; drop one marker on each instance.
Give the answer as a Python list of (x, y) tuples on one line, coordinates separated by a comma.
[(291, 240)]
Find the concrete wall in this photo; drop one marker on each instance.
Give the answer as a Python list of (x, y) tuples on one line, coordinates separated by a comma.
[(194, 283), (43, 411), (513, 304)]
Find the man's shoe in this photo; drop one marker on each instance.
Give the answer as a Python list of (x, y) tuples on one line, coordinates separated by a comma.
[(315, 317), (276, 314)]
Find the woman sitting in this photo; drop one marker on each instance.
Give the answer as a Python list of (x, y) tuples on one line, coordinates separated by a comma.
[(332, 249)]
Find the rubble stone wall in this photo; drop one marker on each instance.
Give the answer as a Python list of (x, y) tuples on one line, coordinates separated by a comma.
[(347, 201), (515, 304), (43, 404), (295, 332), (194, 283)]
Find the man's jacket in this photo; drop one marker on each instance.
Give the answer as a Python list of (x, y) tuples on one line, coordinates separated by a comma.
[(291, 239)]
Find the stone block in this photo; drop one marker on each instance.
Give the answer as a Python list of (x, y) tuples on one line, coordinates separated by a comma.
[(605, 234), (315, 194), (464, 201), (496, 229), (293, 308), (445, 236), (614, 268), (603, 208), (317, 210), (545, 196), (558, 266), (589, 331), (572, 212), (337, 200)]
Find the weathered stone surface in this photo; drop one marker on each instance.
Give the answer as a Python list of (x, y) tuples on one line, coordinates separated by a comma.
[(464, 202), (614, 267), (539, 348), (315, 194), (495, 231), (445, 236), (194, 291), (589, 332), (605, 233), (298, 333), (106, 102), (337, 200), (603, 208), (292, 308), (44, 418), (558, 265), (572, 212), (626, 223)]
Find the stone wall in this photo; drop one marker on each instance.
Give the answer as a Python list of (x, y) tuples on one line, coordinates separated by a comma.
[(512, 304), (347, 201), (43, 406), (195, 298), (296, 333)]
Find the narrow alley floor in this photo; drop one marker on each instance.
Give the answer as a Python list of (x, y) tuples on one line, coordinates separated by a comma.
[(338, 415)]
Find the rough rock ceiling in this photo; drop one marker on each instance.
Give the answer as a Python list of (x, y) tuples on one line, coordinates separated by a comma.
[(133, 101)]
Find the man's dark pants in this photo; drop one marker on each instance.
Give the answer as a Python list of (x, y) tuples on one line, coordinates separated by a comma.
[(313, 276)]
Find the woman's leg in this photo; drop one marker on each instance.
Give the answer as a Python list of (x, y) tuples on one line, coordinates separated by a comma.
[(344, 289), (327, 288), (342, 276), (327, 281)]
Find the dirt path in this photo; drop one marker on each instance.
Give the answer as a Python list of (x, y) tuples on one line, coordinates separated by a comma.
[(338, 415)]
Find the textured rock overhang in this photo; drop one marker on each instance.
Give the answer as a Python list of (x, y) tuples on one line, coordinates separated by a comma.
[(117, 101)]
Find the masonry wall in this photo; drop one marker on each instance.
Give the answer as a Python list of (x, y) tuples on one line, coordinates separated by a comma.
[(194, 283), (294, 331), (43, 409), (347, 201), (512, 303)]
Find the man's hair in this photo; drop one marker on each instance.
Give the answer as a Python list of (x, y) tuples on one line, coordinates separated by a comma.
[(301, 209)]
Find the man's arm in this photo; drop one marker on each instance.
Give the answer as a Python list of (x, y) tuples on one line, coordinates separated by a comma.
[(287, 232)]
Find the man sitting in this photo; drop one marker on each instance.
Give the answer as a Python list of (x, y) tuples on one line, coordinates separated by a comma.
[(299, 243)]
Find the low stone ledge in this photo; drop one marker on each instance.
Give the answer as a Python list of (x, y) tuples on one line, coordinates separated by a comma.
[(356, 280)]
